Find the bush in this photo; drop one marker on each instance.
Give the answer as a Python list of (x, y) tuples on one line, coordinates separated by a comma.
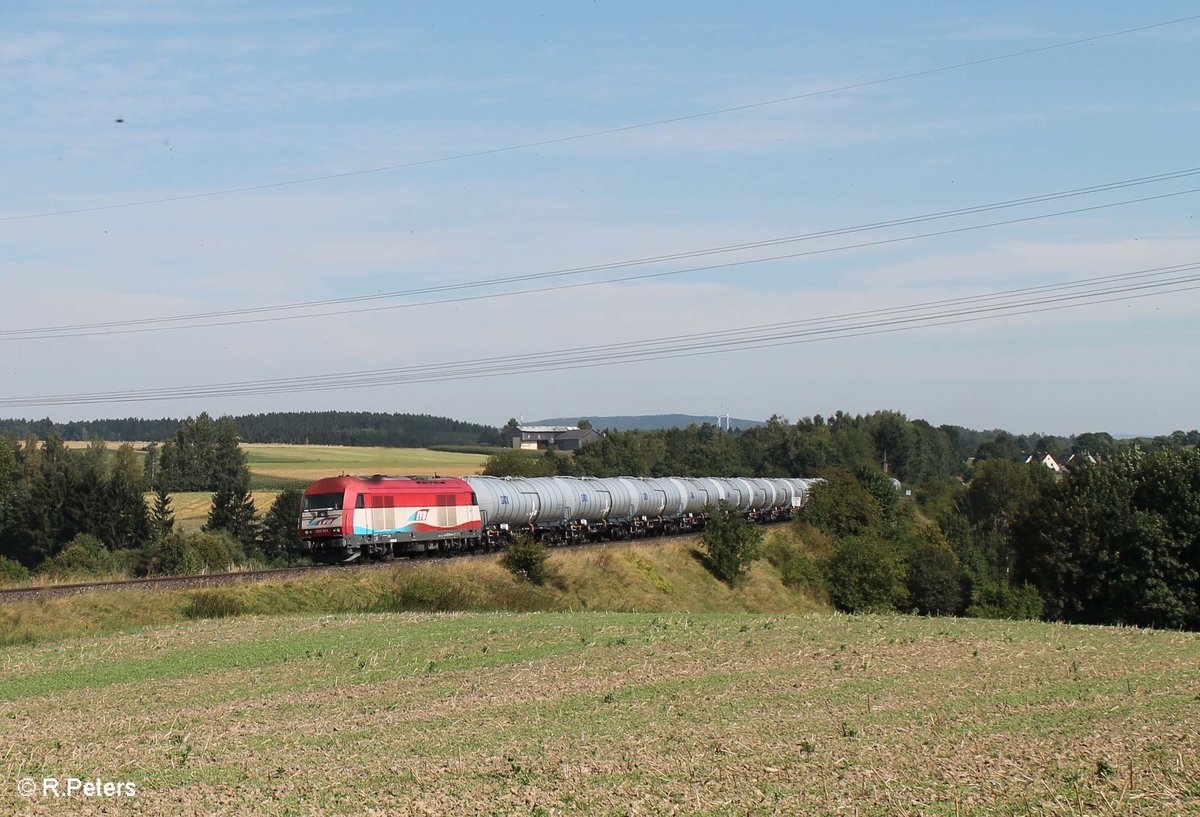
[(797, 568), (513, 462), (436, 591), (185, 554), (1006, 601), (866, 574), (214, 604), (84, 556), (732, 544), (525, 558), (12, 572), (477, 448), (934, 580), (841, 506)]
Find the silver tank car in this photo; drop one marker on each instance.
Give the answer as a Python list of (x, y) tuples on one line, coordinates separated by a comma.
[(505, 500), (802, 487), (737, 495), (575, 508), (620, 495), (709, 490)]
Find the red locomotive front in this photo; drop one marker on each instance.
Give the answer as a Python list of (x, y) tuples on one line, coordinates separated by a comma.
[(347, 518)]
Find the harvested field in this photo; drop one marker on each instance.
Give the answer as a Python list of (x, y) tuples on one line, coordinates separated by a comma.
[(598, 713), (191, 507), (312, 462)]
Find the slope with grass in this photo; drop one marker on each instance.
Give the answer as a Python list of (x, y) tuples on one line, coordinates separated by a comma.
[(659, 576), (610, 713)]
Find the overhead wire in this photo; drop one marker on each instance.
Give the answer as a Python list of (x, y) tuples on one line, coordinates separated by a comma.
[(202, 320), (1111, 288), (597, 133)]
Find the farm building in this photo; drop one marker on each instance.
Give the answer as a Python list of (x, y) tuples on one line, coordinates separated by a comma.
[(559, 438)]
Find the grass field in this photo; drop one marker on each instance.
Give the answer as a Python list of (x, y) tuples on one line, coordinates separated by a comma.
[(191, 507), (311, 462), (607, 713)]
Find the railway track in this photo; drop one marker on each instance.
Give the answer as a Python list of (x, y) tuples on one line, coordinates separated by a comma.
[(253, 576)]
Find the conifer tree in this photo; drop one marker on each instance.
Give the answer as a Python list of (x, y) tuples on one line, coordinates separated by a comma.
[(162, 516)]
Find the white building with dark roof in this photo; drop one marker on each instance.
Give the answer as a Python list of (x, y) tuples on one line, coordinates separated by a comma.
[(558, 438)]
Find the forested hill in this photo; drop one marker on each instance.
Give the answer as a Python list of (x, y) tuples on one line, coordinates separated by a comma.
[(309, 427)]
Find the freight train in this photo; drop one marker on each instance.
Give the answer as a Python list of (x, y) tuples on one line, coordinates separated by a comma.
[(344, 519)]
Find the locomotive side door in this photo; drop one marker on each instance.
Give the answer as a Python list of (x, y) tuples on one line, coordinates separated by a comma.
[(362, 517)]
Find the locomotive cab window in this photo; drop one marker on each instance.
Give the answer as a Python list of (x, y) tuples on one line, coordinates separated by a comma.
[(323, 502), (360, 502)]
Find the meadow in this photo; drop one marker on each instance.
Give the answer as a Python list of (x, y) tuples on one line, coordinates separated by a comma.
[(311, 462), (609, 713)]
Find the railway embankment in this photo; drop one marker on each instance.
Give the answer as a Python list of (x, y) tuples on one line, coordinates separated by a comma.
[(652, 576)]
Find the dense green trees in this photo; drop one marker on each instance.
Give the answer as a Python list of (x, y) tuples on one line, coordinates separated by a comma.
[(232, 508), (50, 495), (204, 455), (866, 574), (913, 451), (1118, 542), (881, 556), (69, 512), (311, 427)]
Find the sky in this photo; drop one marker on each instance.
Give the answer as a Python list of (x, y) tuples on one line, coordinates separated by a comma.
[(167, 160)]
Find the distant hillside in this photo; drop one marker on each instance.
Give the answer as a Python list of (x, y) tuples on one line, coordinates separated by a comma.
[(647, 422), (357, 428)]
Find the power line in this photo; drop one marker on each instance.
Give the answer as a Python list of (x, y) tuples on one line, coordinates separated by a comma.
[(603, 132), (1111, 288), (202, 320)]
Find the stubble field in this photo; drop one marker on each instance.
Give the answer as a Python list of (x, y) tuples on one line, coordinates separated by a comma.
[(312, 462), (598, 713)]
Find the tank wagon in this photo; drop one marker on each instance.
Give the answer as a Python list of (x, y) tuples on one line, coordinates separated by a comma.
[(348, 518)]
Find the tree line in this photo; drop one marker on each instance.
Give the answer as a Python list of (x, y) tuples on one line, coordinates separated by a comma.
[(913, 451), (85, 512), (1116, 539), (357, 428)]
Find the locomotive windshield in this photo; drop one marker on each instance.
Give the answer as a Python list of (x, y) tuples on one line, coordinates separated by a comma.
[(323, 502)]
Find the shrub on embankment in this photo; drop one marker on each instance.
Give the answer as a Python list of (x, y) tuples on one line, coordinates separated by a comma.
[(652, 578)]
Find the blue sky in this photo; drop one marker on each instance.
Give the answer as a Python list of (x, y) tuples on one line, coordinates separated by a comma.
[(222, 95)]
